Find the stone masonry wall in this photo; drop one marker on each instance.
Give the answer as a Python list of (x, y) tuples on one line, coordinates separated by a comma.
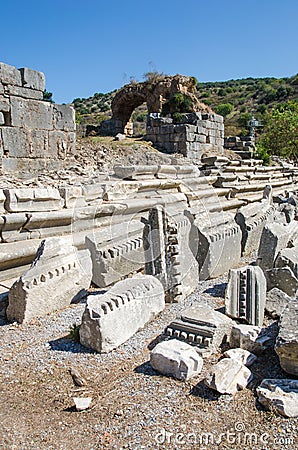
[(34, 134), (199, 133)]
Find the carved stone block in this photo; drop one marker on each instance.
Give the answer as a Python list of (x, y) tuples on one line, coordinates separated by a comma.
[(287, 340), (33, 199)]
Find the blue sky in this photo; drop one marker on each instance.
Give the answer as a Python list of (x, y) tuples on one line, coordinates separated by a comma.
[(92, 46)]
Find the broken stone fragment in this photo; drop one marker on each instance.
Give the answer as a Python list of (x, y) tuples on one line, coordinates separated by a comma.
[(248, 337), (82, 403), (228, 376), (286, 345), (111, 318), (279, 395), (282, 278), (246, 294), (58, 276), (177, 359), (243, 356), (276, 302)]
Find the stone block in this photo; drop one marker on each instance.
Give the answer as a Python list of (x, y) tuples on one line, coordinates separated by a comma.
[(23, 92), (2, 200), (93, 192), (276, 301), (278, 395), (202, 326), (2, 120), (112, 318), (64, 117), (117, 257), (286, 345), (176, 359), (228, 376), (26, 167), (73, 197), (32, 114), (288, 257), (4, 104), (243, 356), (57, 276), (10, 75), (245, 296), (33, 199), (60, 144), (282, 278), (135, 172), (33, 79), (248, 337), (168, 254)]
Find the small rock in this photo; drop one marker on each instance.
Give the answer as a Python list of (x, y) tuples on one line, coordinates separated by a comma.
[(82, 403), (243, 356), (120, 137), (228, 376), (177, 359), (280, 395)]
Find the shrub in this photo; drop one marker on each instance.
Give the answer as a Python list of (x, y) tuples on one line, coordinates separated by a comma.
[(224, 109)]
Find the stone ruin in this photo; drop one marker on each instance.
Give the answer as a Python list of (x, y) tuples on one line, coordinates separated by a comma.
[(148, 235)]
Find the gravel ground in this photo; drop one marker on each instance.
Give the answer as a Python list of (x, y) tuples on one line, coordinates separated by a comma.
[(132, 406)]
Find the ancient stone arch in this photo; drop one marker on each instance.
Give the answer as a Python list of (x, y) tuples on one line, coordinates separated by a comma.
[(155, 92)]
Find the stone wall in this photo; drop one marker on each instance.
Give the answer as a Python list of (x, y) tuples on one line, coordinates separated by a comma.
[(34, 134), (199, 133)]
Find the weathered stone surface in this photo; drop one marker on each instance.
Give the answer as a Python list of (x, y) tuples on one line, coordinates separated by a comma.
[(276, 301), (246, 294), (26, 143), (243, 356), (2, 200), (31, 113), (33, 79), (288, 257), (248, 337), (281, 396), (64, 117), (28, 199), (112, 318), (168, 253), (177, 359), (275, 237), (82, 403), (23, 92), (135, 172), (228, 376), (10, 75), (202, 326), (57, 276), (73, 197), (283, 279), (252, 218), (116, 256), (286, 345)]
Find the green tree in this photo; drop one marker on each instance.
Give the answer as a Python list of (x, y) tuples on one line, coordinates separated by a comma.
[(280, 136), (224, 109), (48, 96)]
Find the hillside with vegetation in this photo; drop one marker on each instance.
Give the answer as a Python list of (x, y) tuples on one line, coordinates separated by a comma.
[(269, 99)]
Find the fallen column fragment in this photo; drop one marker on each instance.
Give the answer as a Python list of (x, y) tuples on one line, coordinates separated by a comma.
[(58, 275), (111, 318), (245, 296)]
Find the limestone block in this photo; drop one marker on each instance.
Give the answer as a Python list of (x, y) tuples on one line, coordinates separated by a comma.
[(245, 295), (228, 376), (31, 113), (2, 200), (1, 88), (61, 144), (25, 167), (243, 356), (117, 257), (274, 238), (282, 278), (177, 359), (168, 254), (33, 199), (218, 247), (33, 79), (64, 117), (248, 337), (286, 345), (252, 219), (26, 143), (276, 301), (93, 192), (281, 396), (112, 318), (4, 104), (73, 197), (288, 257), (57, 276), (10, 75), (23, 92), (202, 326), (135, 172), (2, 119)]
